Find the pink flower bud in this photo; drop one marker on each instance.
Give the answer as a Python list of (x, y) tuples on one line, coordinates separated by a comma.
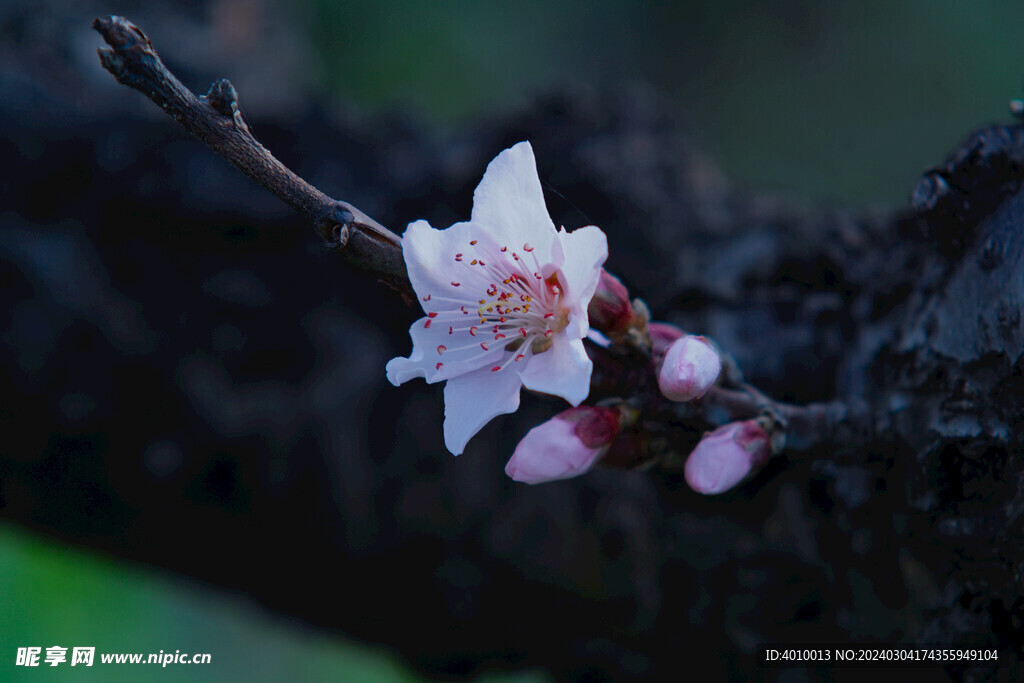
[(565, 446), (662, 336), (727, 456), (689, 369), (610, 310)]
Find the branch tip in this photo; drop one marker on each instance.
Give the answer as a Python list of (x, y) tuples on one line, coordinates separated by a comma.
[(133, 61), (122, 34)]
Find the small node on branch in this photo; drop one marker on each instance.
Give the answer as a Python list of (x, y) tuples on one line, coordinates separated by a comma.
[(333, 225), (223, 97)]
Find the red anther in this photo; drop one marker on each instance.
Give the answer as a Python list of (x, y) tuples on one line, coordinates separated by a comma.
[(472, 243), (472, 331), (549, 315), (438, 366), (549, 333), (527, 247), (464, 311), (504, 248), (426, 298), (520, 357), (483, 345), (515, 256), (502, 319), (458, 257), (441, 349), (426, 324), (498, 336), (482, 263), (523, 331), (496, 368), (455, 284), (450, 329), (537, 275)]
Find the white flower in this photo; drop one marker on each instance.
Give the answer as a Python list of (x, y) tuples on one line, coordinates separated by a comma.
[(505, 296)]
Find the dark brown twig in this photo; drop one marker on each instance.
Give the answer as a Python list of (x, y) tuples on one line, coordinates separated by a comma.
[(216, 120), (806, 426)]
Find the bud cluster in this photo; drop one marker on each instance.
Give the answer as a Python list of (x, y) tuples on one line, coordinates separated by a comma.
[(685, 367)]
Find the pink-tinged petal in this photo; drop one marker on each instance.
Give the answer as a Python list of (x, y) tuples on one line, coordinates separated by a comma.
[(474, 399), (552, 451), (586, 249), (509, 203), (690, 367), (563, 370), (726, 457), (430, 261)]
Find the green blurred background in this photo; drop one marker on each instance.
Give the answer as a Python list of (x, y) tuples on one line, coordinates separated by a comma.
[(839, 102), (842, 101)]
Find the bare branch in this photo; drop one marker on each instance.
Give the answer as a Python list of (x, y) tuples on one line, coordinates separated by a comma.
[(216, 120), (806, 426)]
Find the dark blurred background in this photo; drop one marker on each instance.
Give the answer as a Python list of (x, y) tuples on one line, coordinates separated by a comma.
[(201, 451)]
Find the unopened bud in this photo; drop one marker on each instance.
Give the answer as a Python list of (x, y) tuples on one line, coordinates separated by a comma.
[(610, 309), (690, 367), (565, 446), (727, 456)]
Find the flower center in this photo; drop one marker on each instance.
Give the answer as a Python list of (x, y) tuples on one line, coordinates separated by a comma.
[(508, 302)]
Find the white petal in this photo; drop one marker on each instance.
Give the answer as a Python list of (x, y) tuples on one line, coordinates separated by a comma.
[(509, 203), (563, 370), (474, 399), (401, 370), (430, 261), (462, 352), (586, 250)]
